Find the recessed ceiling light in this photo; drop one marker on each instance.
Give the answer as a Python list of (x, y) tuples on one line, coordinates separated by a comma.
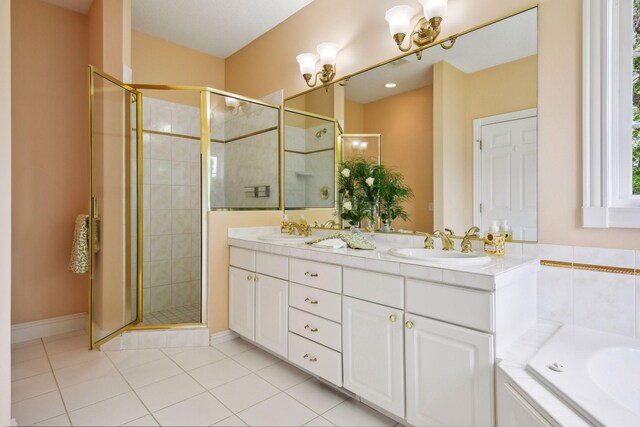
[(390, 85)]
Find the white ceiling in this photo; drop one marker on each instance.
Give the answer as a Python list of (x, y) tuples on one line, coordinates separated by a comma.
[(499, 43), (80, 6), (216, 27)]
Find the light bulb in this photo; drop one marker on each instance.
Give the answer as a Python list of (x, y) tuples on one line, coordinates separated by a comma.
[(328, 53), (399, 19), (307, 63), (434, 8)]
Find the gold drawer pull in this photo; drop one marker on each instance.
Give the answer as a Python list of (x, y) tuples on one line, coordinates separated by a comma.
[(311, 301), (310, 359), (311, 274), (392, 318), (309, 328), (409, 324)]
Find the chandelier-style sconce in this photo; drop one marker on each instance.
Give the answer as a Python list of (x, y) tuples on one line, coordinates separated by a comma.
[(359, 146), (307, 61), (427, 29)]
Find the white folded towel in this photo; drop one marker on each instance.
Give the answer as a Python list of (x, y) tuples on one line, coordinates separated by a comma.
[(331, 243)]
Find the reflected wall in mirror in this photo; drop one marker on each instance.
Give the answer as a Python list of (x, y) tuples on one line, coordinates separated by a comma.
[(309, 160), (459, 124), (244, 154)]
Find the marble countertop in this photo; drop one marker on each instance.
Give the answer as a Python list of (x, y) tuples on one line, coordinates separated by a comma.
[(498, 272)]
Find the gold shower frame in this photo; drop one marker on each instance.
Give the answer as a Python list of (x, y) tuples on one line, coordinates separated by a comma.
[(205, 141)]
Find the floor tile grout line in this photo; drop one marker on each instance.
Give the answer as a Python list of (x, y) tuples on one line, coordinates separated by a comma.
[(136, 394), (55, 378)]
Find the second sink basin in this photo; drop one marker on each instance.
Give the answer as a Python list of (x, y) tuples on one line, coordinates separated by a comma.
[(440, 256)]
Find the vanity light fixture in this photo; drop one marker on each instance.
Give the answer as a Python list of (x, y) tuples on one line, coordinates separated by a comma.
[(425, 31), (359, 146), (307, 61)]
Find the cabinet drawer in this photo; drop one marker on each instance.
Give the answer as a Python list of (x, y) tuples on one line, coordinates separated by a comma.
[(316, 274), (242, 258), (315, 301), (316, 328), (375, 287), (455, 305), (272, 265), (315, 358)]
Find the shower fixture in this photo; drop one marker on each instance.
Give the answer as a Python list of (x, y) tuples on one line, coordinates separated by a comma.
[(320, 132)]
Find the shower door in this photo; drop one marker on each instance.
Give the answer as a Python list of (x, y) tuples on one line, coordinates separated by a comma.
[(115, 215)]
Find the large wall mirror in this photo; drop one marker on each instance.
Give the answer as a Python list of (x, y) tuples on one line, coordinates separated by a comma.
[(460, 125)]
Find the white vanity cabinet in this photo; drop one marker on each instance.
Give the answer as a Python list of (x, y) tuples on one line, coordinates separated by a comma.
[(242, 296), (373, 353), (259, 298), (449, 371), (415, 341)]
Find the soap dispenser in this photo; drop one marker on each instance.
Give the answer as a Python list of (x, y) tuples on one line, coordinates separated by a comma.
[(494, 240)]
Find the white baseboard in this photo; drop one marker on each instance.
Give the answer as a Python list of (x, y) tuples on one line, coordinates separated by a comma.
[(224, 336), (22, 332)]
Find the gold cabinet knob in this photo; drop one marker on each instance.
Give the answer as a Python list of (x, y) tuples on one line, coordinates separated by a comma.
[(408, 324), (310, 358), (249, 277), (393, 318), (255, 278)]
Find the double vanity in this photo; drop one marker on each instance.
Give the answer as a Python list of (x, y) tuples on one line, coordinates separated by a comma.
[(416, 339)]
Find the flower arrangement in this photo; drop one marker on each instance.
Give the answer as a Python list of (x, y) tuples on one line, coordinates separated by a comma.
[(371, 191)]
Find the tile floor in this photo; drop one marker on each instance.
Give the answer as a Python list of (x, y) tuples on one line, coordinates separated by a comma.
[(56, 381), (186, 314)]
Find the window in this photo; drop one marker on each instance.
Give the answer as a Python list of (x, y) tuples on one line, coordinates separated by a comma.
[(611, 113), (635, 140)]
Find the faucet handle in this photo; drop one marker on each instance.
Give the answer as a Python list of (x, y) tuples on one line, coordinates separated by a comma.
[(428, 241), (472, 232), (449, 232)]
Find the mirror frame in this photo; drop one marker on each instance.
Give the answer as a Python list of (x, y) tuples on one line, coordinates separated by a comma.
[(418, 51)]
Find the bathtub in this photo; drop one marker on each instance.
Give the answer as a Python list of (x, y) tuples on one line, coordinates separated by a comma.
[(597, 373)]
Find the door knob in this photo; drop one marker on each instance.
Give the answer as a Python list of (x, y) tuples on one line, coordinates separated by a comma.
[(392, 318), (249, 277), (255, 278), (409, 324)]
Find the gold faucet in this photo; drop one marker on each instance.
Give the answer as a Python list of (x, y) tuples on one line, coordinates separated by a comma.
[(473, 232), (447, 243), (291, 227)]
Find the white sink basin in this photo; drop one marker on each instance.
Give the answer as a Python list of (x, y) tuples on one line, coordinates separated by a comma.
[(440, 256), (285, 238)]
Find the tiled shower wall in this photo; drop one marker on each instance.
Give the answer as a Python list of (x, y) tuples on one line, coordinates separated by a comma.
[(306, 174), (172, 205)]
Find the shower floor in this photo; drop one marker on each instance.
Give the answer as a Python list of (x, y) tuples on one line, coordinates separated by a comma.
[(185, 314)]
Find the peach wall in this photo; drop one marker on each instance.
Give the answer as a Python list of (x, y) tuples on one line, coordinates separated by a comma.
[(353, 117), (449, 111), (157, 61), (361, 31), (50, 187), (5, 214), (109, 34), (406, 124), (460, 99)]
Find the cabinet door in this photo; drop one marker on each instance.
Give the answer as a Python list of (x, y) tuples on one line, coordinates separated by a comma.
[(373, 353), (272, 309), (242, 302), (449, 374)]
